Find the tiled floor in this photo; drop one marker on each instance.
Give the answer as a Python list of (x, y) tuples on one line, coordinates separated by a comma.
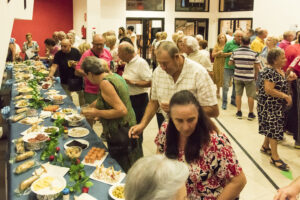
[(246, 133)]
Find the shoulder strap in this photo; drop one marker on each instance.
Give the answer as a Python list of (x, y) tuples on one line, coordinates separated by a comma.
[(94, 53)]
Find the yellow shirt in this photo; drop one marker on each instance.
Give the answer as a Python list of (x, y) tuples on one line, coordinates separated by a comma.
[(257, 45)]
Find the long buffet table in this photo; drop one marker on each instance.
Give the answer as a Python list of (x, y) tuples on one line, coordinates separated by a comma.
[(99, 190)]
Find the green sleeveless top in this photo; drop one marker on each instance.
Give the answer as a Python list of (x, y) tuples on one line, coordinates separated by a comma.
[(112, 125)]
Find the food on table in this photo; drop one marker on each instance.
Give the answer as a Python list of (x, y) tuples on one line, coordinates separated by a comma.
[(73, 152), (94, 154), (38, 138), (77, 143), (48, 185), (24, 156), (25, 89), (74, 119), (50, 130), (24, 166), (20, 146), (28, 96), (58, 115), (108, 175), (31, 113), (27, 183), (34, 128), (19, 97), (52, 108), (45, 86), (68, 110), (118, 192), (20, 110), (31, 120), (22, 103), (78, 132), (18, 117)]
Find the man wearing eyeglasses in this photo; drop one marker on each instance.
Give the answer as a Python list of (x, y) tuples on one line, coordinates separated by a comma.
[(90, 90)]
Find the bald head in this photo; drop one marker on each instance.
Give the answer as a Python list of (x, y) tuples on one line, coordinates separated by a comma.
[(98, 43), (65, 46), (126, 51)]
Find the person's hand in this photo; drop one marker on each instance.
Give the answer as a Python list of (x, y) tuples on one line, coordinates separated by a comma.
[(289, 100), (286, 193), (292, 76), (89, 113), (165, 106), (135, 131)]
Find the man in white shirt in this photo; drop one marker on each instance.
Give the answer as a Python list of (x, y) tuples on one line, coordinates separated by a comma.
[(191, 48), (177, 73), (137, 74)]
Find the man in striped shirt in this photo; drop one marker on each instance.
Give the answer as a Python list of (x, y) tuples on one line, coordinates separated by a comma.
[(245, 73)]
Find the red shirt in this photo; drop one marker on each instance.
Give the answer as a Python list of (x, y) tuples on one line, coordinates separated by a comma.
[(291, 52), (284, 44), (88, 86)]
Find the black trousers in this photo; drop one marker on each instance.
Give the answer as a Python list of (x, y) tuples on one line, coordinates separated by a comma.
[(139, 103)]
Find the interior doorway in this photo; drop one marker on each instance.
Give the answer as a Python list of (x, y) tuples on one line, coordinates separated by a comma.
[(192, 26), (145, 30)]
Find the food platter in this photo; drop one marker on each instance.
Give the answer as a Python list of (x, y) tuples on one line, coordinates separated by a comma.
[(107, 175), (84, 144), (58, 114), (115, 190), (22, 103), (78, 132), (48, 187)]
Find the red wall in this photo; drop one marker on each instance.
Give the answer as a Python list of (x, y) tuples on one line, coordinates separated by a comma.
[(48, 16)]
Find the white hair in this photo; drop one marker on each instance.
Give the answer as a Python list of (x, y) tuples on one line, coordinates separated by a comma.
[(191, 42), (199, 37), (155, 178)]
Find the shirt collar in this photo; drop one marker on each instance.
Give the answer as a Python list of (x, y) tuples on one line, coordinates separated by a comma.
[(133, 59)]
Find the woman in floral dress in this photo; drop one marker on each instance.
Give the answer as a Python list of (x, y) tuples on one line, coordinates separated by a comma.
[(191, 137)]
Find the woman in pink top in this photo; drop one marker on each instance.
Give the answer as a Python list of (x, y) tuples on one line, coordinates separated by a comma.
[(191, 137)]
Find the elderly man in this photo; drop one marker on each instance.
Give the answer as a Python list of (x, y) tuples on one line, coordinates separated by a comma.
[(65, 60), (229, 69), (288, 37), (177, 73), (246, 69), (258, 43), (98, 50), (191, 48), (55, 38), (137, 74)]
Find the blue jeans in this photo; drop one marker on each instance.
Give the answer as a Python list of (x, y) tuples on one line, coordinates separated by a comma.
[(228, 75)]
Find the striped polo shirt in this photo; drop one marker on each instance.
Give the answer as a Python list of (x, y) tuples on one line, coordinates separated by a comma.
[(244, 59)]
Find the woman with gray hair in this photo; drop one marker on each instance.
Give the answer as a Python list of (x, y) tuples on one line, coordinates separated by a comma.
[(113, 108), (272, 103), (164, 179)]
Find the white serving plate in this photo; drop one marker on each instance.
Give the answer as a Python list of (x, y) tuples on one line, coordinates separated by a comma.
[(84, 132), (111, 189)]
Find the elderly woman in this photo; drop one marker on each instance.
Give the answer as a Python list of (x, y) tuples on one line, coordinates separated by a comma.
[(271, 43), (273, 99), (164, 179), (113, 49), (30, 48), (113, 108), (191, 137), (219, 62)]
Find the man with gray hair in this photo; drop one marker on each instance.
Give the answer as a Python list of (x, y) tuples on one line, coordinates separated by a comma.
[(288, 37), (176, 73), (137, 74), (191, 48)]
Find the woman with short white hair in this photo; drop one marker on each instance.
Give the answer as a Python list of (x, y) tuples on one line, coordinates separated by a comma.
[(156, 178)]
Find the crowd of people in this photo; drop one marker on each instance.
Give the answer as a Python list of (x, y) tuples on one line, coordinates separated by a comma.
[(181, 87)]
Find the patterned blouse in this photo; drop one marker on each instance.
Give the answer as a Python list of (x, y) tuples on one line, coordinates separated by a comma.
[(209, 174)]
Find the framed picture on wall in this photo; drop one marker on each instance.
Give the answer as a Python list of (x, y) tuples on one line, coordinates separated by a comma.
[(192, 5), (234, 24)]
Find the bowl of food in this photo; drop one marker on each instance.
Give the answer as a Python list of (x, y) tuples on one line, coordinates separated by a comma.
[(57, 115), (58, 99), (50, 129), (117, 191), (74, 119), (35, 141), (73, 152), (48, 187)]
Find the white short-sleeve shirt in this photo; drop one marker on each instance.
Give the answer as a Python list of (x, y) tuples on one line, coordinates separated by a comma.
[(193, 77), (137, 70), (202, 59)]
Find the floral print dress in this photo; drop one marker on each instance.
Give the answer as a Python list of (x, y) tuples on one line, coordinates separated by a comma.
[(209, 174)]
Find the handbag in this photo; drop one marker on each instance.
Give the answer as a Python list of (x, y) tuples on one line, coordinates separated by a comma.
[(75, 84), (119, 143)]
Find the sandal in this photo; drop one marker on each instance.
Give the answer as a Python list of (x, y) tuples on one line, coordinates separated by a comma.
[(283, 165), (265, 150)]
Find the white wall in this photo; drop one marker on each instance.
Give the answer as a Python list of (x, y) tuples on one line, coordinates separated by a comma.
[(275, 15), (79, 8), (8, 12)]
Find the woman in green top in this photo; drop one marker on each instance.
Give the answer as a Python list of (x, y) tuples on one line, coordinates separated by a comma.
[(113, 107)]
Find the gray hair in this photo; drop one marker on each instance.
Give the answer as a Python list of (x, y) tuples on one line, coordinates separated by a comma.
[(127, 48), (94, 65), (199, 37), (191, 42), (273, 55), (168, 46), (155, 178)]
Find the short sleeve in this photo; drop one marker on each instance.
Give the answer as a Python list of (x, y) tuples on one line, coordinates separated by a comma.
[(228, 164), (145, 73), (232, 57), (227, 48), (269, 75), (56, 58), (84, 55), (160, 139), (154, 95), (206, 89), (77, 57)]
